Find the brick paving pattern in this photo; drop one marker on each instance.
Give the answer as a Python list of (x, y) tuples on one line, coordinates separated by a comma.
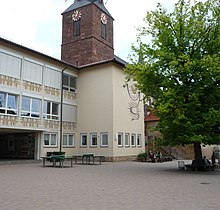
[(118, 185)]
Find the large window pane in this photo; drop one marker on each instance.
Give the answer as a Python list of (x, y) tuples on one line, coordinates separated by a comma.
[(12, 102), (65, 140), (65, 80), (2, 99), (70, 139), (46, 139), (104, 139), (35, 105), (53, 139), (83, 139), (47, 107), (25, 104), (54, 109), (94, 139), (72, 82)]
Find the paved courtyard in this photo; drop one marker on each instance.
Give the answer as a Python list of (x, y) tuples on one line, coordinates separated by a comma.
[(119, 185)]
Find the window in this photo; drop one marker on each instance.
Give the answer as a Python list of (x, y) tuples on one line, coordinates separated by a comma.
[(10, 65), (83, 139), (50, 139), (51, 110), (8, 104), (76, 28), (120, 139), (103, 30), (69, 140), (69, 83), (133, 139), (30, 107), (104, 139), (139, 140), (93, 139), (127, 140)]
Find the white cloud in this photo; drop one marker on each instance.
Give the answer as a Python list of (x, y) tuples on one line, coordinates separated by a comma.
[(38, 24)]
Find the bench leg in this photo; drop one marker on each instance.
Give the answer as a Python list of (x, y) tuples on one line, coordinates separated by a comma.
[(44, 160), (54, 162)]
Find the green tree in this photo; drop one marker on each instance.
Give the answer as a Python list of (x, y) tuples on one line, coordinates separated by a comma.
[(180, 69)]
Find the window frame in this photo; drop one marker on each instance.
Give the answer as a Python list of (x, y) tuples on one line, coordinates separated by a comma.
[(127, 144), (91, 139), (30, 112), (50, 140), (101, 139), (139, 144), (120, 137), (51, 116), (76, 28), (68, 86), (5, 109), (81, 140), (103, 30), (68, 140), (133, 140)]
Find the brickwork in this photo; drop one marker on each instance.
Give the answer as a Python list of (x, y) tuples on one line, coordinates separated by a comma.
[(89, 46)]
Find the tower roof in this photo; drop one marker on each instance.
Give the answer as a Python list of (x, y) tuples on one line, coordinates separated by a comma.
[(81, 3)]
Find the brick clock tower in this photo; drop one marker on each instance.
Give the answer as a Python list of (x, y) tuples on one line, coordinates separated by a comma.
[(87, 33)]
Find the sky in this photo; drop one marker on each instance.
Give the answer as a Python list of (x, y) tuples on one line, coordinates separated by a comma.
[(37, 24)]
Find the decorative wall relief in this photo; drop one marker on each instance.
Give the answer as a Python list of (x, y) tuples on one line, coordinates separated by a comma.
[(134, 104)]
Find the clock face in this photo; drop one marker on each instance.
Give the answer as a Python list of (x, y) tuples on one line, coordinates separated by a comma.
[(104, 18), (76, 15)]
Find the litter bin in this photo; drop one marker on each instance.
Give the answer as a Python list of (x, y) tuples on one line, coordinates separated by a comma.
[(181, 165)]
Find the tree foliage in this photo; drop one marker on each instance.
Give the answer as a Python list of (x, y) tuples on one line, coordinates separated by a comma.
[(180, 69)]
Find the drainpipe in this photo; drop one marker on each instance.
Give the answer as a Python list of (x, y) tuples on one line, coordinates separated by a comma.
[(61, 110)]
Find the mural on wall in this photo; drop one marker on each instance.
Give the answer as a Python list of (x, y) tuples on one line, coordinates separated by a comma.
[(134, 104)]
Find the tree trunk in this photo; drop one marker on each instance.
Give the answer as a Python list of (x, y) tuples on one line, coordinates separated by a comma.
[(198, 153)]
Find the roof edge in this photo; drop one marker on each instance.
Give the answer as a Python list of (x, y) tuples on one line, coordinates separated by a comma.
[(36, 52)]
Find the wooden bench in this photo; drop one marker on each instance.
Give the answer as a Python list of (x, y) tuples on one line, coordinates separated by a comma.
[(167, 158), (199, 167)]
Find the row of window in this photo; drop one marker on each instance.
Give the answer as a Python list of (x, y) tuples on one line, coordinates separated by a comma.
[(30, 107), (50, 139), (128, 140), (16, 67), (94, 139), (69, 140)]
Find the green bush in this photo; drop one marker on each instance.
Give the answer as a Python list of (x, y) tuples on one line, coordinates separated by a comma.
[(142, 156)]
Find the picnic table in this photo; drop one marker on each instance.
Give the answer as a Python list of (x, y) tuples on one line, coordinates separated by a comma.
[(89, 158), (56, 157)]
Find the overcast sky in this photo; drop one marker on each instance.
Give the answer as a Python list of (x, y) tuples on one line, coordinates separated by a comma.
[(37, 23)]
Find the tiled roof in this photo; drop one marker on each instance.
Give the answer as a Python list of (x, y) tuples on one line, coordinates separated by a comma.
[(82, 3), (151, 117)]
